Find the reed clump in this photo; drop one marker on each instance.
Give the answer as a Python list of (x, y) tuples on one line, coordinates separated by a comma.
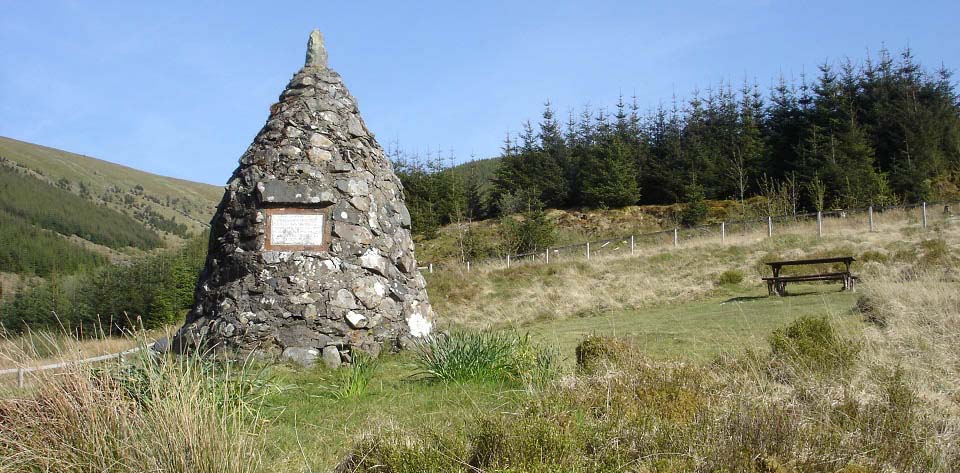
[(153, 414)]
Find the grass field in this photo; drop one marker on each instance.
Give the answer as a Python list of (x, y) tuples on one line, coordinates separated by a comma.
[(742, 318), (306, 413)]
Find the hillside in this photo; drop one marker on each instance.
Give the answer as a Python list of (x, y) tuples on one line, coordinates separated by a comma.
[(31, 250), (155, 201), (62, 213), (58, 210), (479, 172)]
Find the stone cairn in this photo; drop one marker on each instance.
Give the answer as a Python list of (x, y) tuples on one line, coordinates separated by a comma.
[(310, 249)]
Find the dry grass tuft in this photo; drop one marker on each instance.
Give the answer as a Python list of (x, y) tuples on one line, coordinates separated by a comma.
[(920, 332), (154, 415)]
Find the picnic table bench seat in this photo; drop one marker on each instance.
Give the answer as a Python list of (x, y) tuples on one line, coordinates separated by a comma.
[(776, 285)]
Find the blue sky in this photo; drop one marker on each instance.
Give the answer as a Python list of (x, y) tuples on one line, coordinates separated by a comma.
[(181, 88)]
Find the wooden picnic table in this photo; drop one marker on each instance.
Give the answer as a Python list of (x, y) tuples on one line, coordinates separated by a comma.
[(777, 284)]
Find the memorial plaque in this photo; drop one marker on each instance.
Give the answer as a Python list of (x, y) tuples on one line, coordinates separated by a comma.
[(297, 229)]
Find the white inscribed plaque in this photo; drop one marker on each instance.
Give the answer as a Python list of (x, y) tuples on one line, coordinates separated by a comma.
[(296, 229)]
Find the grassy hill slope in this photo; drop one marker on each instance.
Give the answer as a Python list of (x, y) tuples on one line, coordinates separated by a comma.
[(61, 212), (493, 296), (158, 201)]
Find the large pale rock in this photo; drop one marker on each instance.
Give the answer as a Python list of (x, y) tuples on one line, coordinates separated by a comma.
[(356, 320), (331, 357), (370, 291), (301, 356), (374, 261)]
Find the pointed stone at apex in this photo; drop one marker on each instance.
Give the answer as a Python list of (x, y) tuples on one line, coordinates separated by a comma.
[(316, 51)]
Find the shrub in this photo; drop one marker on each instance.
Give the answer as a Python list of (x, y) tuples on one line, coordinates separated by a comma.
[(935, 252), (730, 277), (534, 365), (812, 343), (485, 356), (526, 443), (596, 353), (874, 256), (474, 245), (405, 452)]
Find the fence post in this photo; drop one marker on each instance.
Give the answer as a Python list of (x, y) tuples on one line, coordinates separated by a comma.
[(723, 232), (870, 217), (508, 261), (431, 268), (20, 378), (769, 226), (632, 246), (548, 256), (468, 266), (588, 251), (924, 215), (819, 224), (676, 238)]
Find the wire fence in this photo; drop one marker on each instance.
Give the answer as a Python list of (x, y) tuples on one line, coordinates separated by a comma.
[(821, 223), (23, 371)]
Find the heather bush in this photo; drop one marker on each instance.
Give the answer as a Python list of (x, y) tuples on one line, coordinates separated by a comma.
[(730, 277), (811, 343)]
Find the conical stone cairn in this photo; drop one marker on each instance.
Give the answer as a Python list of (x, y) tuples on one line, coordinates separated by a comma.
[(310, 250)]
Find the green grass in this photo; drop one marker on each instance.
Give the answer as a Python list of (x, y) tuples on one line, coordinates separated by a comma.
[(308, 429), (326, 426), (701, 330), (398, 399)]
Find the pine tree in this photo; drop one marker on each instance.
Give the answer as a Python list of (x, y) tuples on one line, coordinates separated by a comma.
[(553, 164), (783, 129), (608, 177), (747, 148)]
